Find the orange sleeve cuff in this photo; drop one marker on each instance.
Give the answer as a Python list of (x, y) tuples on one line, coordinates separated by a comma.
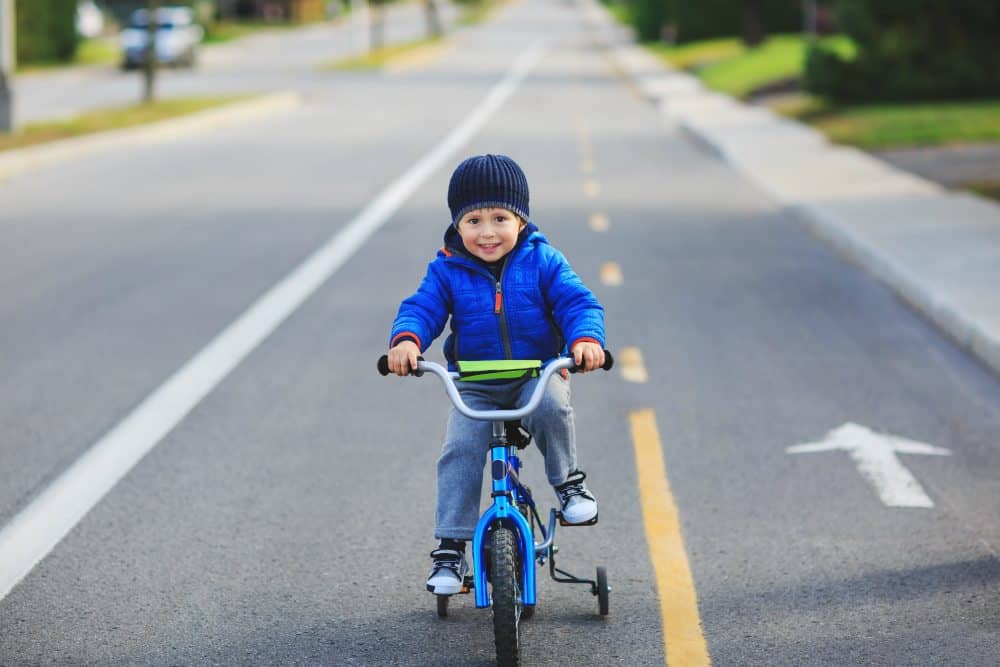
[(406, 335), (585, 339)]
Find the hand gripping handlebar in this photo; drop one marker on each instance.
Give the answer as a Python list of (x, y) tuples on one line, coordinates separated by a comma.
[(448, 380)]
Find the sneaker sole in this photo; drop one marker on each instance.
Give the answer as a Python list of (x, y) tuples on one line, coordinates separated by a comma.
[(586, 522), (444, 590)]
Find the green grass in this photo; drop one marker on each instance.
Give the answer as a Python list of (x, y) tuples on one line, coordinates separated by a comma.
[(477, 11), (99, 51), (875, 127), (727, 65), (228, 31), (699, 54), (780, 58), (110, 119), (378, 58), (621, 12)]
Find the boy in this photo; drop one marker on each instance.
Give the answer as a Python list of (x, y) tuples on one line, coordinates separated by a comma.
[(510, 295)]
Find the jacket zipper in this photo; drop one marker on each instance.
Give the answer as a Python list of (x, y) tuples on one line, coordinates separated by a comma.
[(499, 311)]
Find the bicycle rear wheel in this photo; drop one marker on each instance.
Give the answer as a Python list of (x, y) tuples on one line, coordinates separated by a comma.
[(506, 579)]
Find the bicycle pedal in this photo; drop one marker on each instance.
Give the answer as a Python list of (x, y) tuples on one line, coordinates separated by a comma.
[(563, 522)]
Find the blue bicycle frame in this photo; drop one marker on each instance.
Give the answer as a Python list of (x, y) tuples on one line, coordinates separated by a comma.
[(504, 465)]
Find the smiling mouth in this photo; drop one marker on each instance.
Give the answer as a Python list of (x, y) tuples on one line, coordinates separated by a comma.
[(492, 246)]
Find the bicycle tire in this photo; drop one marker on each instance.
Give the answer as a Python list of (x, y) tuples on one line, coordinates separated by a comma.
[(506, 596), (442, 605), (603, 591)]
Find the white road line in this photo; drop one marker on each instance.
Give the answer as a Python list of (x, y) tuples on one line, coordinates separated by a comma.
[(40, 526)]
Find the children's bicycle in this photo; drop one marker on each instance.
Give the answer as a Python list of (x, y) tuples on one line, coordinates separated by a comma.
[(503, 545)]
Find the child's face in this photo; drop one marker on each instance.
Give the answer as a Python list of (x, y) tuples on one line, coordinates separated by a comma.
[(489, 233)]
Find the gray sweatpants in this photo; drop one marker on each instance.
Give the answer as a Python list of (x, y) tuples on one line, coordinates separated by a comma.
[(467, 444)]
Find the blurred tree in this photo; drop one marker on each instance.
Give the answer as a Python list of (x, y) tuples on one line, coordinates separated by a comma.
[(376, 14), (149, 66), (753, 23), (918, 49), (46, 30), (693, 20), (651, 17), (433, 19)]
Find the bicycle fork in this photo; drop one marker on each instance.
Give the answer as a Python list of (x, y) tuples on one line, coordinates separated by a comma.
[(504, 512)]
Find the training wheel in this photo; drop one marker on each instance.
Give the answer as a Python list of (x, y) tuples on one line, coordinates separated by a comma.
[(603, 590)]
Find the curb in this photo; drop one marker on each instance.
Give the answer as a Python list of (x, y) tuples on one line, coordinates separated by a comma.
[(728, 129), (23, 160)]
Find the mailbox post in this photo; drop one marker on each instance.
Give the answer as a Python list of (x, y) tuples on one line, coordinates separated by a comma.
[(7, 58)]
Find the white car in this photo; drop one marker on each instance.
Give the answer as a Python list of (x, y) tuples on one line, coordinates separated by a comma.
[(177, 37)]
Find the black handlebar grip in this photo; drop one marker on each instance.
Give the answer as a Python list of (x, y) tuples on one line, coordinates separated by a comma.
[(383, 366), (609, 362)]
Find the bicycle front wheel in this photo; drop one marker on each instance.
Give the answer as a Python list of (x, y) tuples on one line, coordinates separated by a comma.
[(506, 579)]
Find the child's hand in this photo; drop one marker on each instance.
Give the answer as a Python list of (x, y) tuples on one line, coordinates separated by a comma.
[(403, 357), (588, 356)]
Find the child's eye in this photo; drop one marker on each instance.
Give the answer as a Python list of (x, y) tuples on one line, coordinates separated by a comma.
[(472, 221)]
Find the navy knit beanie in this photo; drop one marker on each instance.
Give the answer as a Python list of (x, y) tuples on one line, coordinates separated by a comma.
[(487, 181)]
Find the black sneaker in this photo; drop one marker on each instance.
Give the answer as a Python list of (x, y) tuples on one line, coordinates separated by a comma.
[(448, 572), (578, 504)]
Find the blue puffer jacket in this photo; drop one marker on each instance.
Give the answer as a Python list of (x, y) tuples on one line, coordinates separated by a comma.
[(537, 309)]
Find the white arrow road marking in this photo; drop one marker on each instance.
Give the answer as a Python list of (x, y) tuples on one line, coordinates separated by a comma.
[(875, 455)]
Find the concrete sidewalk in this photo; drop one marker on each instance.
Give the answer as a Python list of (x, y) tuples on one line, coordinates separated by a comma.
[(937, 249)]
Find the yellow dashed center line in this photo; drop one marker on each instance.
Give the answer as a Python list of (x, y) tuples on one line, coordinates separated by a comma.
[(630, 361), (684, 642), (599, 222), (611, 274), (591, 188)]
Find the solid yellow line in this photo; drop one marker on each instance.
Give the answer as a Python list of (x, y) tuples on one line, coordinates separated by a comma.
[(684, 643)]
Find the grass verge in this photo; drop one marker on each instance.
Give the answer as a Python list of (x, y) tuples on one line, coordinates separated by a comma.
[(728, 66), (379, 58), (228, 31), (473, 12), (699, 54), (988, 189), (110, 119), (913, 124), (97, 51), (477, 11)]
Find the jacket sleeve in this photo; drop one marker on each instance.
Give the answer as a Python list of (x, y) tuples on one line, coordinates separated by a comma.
[(575, 308), (423, 315)]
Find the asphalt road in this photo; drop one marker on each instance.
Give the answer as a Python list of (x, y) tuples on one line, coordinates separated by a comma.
[(287, 518)]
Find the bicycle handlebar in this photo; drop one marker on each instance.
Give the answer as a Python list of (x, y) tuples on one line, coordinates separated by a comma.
[(448, 380)]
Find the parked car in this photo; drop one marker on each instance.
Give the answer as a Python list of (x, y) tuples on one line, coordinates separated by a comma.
[(177, 37)]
